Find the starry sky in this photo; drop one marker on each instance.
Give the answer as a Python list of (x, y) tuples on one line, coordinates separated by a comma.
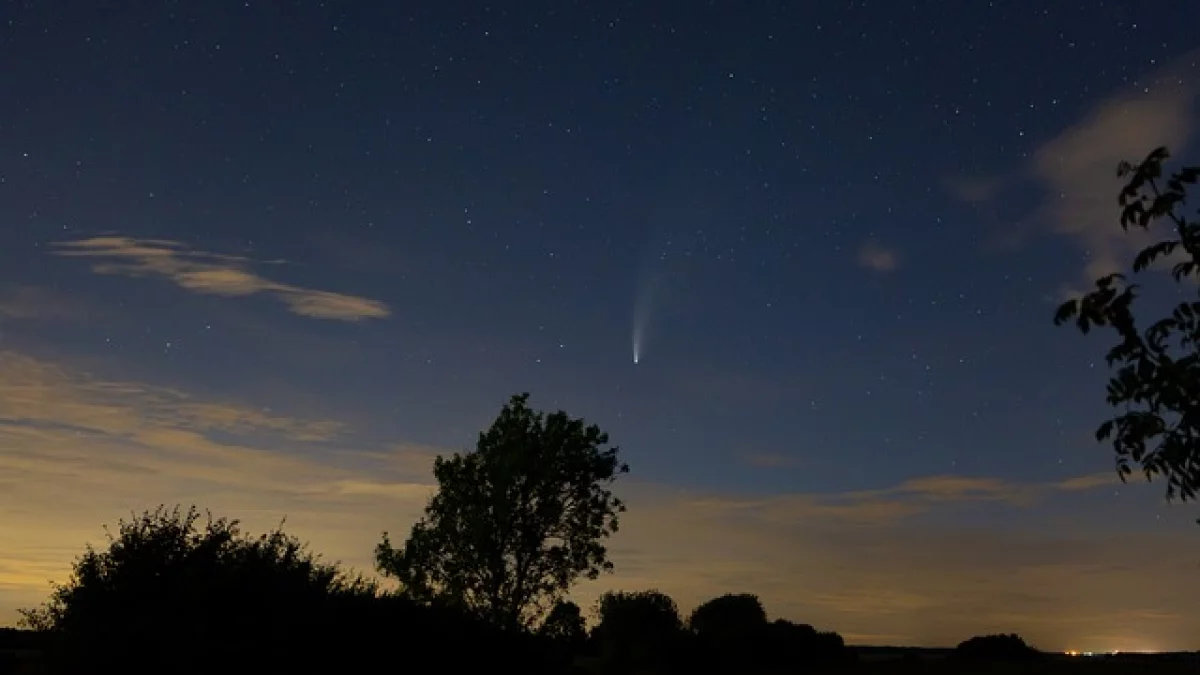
[(272, 257)]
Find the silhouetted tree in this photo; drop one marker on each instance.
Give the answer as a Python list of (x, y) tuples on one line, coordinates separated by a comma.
[(564, 623), (565, 630), (729, 616), (792, 647), (1000, 647), (515, 522), (1157, 378), (731, 630), (170, 585), (640, 629)]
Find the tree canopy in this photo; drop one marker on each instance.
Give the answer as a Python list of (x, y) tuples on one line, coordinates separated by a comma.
[(729, 616), (998, 647), (515, 522), (638, 629), (1156, 380), (565, 624), (171, 579)]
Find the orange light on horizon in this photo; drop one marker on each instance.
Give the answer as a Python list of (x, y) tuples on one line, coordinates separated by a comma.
[(1114, 652)]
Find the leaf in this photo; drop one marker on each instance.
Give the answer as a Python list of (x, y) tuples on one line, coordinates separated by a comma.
[(1151, 253), (1066, 311)]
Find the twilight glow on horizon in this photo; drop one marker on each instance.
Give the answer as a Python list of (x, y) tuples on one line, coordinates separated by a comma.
[(271, 260)]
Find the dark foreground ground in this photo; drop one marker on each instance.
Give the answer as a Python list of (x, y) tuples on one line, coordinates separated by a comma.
[(888, 661), (1045, 668), (936, 662), (884, 662)]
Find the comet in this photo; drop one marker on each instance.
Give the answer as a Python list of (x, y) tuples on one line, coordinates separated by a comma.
[(643, 307), (659, 279)]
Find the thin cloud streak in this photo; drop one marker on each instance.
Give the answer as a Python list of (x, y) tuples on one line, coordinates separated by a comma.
[(214, 274)]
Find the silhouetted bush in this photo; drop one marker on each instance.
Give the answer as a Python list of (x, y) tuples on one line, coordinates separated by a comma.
[(564, 631), (730, 632), (174, 594), (1001, 647), (793, 647), (638, 630)]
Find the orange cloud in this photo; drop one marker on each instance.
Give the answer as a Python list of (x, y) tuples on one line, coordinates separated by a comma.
[(1095, 480), (214, 274), (874, 256), (770, 460)]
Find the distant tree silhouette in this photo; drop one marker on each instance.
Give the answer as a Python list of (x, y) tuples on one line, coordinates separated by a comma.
[(565, 632), (565, 624), (1000, 647), (176, 592), (1156, 383), (515, 522), (794, 647), (638, 630), (731, 631), (729, 616)]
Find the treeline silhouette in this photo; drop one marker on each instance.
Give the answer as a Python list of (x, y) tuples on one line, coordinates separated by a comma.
[(482, 584), (178, 591), (643, 631), (181, 592)]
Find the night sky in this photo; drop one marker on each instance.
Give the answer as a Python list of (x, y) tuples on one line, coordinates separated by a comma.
[(271, 257)]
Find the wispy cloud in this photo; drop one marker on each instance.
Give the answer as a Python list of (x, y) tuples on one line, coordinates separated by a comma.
[(1095, 480), (771, 460), (891, 504), (873, 255), (78, 451), (976, 188), (22, 302), (214, 274), (1076, 169), (943, 488)]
